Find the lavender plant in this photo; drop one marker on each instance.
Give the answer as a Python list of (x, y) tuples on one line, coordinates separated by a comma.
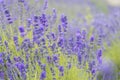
[(38, 45)]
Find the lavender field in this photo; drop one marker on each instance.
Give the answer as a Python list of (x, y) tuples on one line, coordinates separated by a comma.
[(59, 40)]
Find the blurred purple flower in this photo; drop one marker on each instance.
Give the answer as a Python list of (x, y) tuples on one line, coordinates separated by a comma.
[(43, 75)]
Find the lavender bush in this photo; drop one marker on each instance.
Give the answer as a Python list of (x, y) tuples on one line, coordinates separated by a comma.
[(39, 44)]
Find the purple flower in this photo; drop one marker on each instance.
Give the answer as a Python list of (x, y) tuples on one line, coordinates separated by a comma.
[(44, 21), (17, 59), (8, 17), (21, 29), (2, 75), (39, 62), (43, 67), (54, 13), (99, 54), (53, 36), (1, 44), (1, 1), (29, 22), (43, 75), (20, 66), (7, 13), (52, 71), (90, 66), (84, 34), (63, 18), (26, 45), (49, 59), (21, 1), (36, 18), (61, 68), (36, 21), (64, 22), (1, 61), (61, 42), (55, 58), (37, 34), (6, 45), (71, 42), (107, 70), (10, 21), (8, 58), (69, 65), (79, 58), (45, 4), (15, 39), (59, 28), (92, 39), (78, 35), (54, 16), (53, 47)]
